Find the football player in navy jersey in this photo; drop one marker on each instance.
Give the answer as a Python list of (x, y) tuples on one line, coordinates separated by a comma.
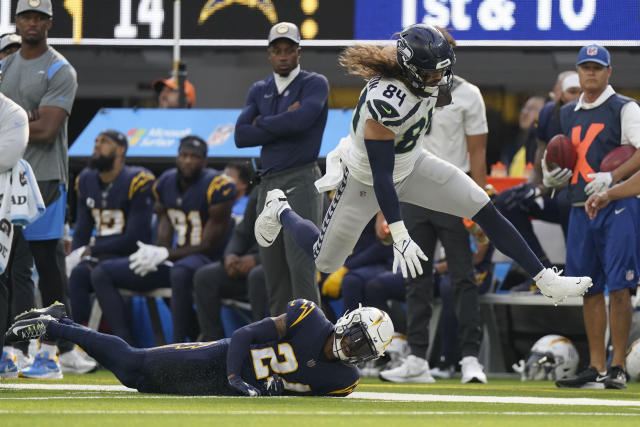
[(193, 204), (298, 353), (116, 201)]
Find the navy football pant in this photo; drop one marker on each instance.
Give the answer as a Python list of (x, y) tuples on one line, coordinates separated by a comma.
[(189, 369)]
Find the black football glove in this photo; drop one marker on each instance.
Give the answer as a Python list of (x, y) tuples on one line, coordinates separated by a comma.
[(519, 195), (273, 386), (243, 388)]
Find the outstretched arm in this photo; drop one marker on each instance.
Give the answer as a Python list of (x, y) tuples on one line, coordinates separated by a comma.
[(265, 330)]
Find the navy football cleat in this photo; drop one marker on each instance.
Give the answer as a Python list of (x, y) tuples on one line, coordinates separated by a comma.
[(24, 330), (57, 310)]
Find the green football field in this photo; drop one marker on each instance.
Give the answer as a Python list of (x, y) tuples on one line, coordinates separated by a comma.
[(99, 400)]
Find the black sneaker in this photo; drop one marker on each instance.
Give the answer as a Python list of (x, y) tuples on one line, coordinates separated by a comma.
[(589, 378), (25, 330), (57, 310), (616, 378)]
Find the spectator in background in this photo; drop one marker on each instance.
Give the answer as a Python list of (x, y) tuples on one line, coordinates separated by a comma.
[(9, 43), (16, 286), (286, 114), (532, 199), (43, 82), (241, 175), (193, 204), (169, 96), (521, 150), (458, 134), (226, 278), (605, 247), (115, 201)]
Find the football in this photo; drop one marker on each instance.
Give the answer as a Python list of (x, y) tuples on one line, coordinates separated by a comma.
[(560, 153), (616, 157)]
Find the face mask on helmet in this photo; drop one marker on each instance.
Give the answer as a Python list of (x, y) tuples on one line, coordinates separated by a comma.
[(427, 59), (552, 357), (362, 335)]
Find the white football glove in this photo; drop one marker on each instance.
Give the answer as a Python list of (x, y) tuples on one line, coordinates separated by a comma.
[(601, 181), (147, 258), (406, 253), (556, 177)]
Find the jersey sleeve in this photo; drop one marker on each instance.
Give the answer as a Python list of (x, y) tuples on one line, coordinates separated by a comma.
[(221, 188), (61, 90), (388, 103), (475, 114), (141, 185)]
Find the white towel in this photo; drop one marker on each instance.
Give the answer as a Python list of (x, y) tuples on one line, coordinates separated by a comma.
[(333, 176), (20, 203)]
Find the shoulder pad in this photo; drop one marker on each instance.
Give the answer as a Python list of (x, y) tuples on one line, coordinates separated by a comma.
[(298, 310), (388, 101), (140, 182)]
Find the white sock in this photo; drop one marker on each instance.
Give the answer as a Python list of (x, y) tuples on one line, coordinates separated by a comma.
[(51, 348), (9, 350)]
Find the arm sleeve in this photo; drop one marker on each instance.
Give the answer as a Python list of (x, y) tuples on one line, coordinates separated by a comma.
[(381, 159), (84, 221), (246, 134), (312, 102), (241, 340), (62, 87)]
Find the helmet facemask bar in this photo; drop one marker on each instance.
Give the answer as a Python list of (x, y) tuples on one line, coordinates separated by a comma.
[(540, 366), (352, 343)]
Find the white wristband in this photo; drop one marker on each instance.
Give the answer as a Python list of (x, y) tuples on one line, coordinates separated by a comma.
[(398, 231)]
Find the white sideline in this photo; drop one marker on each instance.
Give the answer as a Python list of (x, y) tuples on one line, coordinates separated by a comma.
[(363, 395)]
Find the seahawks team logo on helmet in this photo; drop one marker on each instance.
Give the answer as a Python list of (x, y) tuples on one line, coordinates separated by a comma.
[(404, 49)]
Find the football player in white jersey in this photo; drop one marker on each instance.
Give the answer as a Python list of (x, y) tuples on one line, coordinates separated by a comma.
[(382, 163)]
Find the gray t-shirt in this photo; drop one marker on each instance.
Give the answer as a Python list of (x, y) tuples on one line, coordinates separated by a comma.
[(46, 81)]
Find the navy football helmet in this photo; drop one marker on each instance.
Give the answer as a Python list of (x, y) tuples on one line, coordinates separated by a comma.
[(423, 52)]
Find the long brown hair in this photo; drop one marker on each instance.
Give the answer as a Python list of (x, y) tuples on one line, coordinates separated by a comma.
[(368, 61)]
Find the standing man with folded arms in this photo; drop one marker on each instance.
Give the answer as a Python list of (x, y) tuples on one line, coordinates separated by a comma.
[(286, 114)]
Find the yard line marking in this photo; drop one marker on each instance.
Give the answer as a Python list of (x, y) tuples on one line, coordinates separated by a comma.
[(363, 395), (415, 397), (312, 412)]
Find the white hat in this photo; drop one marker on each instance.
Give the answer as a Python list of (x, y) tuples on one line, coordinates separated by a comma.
[(570, 81), (9, 39)]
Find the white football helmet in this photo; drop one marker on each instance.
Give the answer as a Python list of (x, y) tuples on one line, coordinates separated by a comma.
[(362, 335), (632, 361), (552, 357)]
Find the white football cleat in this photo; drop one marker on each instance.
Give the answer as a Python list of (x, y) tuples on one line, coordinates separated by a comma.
[(267, 226), (472, 371), (413, 370), (557, 287)]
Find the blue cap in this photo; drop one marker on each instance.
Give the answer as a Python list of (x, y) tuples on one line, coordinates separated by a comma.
[(594, 53)]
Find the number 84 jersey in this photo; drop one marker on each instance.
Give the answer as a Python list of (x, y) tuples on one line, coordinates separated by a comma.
[(390, 103), (299, 359)]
